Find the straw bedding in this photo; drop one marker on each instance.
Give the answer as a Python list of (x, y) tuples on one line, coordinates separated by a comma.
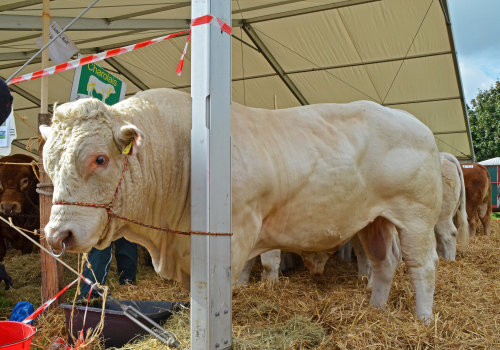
[(329, 312)]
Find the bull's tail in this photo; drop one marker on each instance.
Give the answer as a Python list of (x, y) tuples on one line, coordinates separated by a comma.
[(461, 215)]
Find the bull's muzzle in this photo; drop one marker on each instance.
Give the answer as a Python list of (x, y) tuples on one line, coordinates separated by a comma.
[(10, 208), (57, 240)]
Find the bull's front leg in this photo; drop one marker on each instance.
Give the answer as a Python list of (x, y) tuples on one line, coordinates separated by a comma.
[(5, 277), (271, 261), (270, 267), (246, 228), (245, 273)]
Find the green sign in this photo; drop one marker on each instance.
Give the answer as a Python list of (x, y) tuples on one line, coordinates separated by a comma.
[(94, 81)]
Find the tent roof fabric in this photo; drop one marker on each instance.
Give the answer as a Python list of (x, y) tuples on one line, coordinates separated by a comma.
[(399, 53), (492, 161)]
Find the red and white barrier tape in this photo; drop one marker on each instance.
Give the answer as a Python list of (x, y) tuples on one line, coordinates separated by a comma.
[(90, 59), (47, 303), (196, 22), (115, 52)]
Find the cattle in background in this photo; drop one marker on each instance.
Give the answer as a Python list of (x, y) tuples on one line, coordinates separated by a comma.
[(297, 174), (478, 196), (452, 226), (19, 200), (276, 260)]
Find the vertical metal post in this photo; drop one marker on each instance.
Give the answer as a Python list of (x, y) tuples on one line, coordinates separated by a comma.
[(211, 297), (51, 270)]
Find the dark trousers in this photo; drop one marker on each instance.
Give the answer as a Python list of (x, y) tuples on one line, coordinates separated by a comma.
[(126, 261)]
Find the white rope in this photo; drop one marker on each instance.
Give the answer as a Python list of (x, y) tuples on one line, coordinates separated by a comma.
[(39, 190), (86, 280)]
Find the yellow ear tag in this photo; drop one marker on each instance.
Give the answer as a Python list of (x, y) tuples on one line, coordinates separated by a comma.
[(128, 148)]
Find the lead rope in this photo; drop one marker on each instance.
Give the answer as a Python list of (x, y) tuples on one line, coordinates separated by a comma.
[(101, 290), (168, 338)]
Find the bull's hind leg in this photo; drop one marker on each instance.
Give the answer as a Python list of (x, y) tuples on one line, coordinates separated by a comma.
[(419, 253), (473, 222), (485, 216), (270, 263), (376, 240)]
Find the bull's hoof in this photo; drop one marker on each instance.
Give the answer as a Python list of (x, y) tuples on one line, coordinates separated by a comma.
[(426, 318)]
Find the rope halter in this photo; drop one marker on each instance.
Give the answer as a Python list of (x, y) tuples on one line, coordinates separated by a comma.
[(109, 210)]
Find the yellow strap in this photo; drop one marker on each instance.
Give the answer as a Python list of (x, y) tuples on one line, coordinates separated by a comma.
[(128, 148)]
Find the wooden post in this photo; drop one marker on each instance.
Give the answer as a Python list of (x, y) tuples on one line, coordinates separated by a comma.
[(51, 273)]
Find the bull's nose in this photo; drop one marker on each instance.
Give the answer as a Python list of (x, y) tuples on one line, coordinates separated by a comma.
[(57, 238), (9, 207)]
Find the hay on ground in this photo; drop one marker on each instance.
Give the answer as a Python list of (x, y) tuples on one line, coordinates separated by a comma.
[(328, 312)]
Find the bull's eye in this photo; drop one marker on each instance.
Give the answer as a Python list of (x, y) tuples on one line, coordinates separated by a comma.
[(101, 160), (97, 162), (23, 184)]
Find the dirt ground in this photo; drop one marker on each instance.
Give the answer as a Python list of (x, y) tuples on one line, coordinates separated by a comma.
[(303, 312)]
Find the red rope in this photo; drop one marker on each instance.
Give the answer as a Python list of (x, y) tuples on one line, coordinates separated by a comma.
[(111, 213)]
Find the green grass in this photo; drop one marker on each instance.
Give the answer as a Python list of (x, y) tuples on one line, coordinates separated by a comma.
[(495, 216)]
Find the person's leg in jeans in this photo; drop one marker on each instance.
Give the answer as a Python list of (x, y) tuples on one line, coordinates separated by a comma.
[(100, 260), (126, 260)]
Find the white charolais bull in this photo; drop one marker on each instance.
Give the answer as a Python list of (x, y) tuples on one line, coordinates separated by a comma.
[(304, 179)]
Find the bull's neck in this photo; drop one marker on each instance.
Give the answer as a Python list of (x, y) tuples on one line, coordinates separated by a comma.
[(165, 173)]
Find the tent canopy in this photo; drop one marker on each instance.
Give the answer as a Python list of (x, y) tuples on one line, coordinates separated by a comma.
[(491, 161), (399, 53)]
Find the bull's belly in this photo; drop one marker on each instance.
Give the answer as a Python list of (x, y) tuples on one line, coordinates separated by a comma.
[(319, 232)]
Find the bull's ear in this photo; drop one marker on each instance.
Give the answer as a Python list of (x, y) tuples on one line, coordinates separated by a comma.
[(46, 131), (129, 138)]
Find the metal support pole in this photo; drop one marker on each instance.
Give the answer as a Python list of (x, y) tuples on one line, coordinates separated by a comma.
[(211, 294), (51, 270), (51, 41)]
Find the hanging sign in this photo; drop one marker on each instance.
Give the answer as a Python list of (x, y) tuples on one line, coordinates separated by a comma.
[(62, 49), (94, 81)]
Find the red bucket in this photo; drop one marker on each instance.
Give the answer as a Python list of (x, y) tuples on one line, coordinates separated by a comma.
[(15, 335)]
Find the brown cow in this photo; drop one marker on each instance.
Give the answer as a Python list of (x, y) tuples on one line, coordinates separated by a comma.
[(19, 201), (478, 196)]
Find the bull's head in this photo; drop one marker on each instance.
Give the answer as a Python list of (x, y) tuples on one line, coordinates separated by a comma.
[(15, 182), (83, 156)]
